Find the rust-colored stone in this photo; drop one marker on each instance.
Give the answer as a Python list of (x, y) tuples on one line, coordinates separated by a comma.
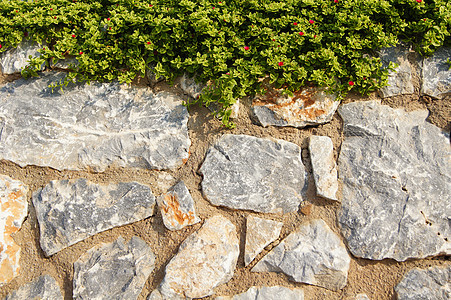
[(172, 207)]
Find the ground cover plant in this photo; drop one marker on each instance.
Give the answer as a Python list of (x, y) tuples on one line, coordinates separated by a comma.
[(230, 44)]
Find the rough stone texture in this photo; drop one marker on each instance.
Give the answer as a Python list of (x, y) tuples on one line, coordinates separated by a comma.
[(314, 255), (69, 211), (205, 260), (15, 59), (429, 284), (177, 207), (259, 234), (115, 270), (400, 80), (267, 293), (91, 127), (325, 174), (436, 74), (190, 86), (309, 106), (361, 297), (151, 74), (396, 174), (43, 287), (155, 295), (65, 63), (259, 174), (13, 210)]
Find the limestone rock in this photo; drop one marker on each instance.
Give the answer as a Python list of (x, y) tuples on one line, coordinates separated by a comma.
[(325, 174), (155, 295), (361, 297), (429, 284), (267, 293), (259, 174), (177, 207), (309, 106), (43, 287), (13, 210), (114, 270), (69, 211), (436, 74), (91, 127), (15, 59), (190, 86), (65, 63), (399, 81), (396, 174), (259, 234), (314, 255), (205, 260)]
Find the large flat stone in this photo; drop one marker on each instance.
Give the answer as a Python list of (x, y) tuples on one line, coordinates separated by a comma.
[(116, 270), (205, 260), (91, 127), (259, 174), (13, 210), (69, 211), (43, 287), (436, 74), (314, 254), (429, 284), (15, 59), (396, 174), (267, 293)]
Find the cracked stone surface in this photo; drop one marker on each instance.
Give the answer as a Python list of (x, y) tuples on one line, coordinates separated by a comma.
[(309, 106), (15, 59), (267, 293), (314, 254), (70, 211), (116, 270), (13, 211), (177, 207), (324, 167), (436, 74), (43, 287), (259, 234), (205, 260), (260, 174), (91, 127), (430, 284), (396, 174)]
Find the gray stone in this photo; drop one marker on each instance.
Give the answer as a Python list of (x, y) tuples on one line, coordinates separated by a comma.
[(43, 287), (91, 127), (190, 86), (324, 167), (66, 63), (15, 59), (69, 211), (259, 234), (267, 293), (151, 74), (177, 207), (430, 284), (314, 254), (309, 106), (400, 80), (114, 270), (259, 174), (436, 74), (396, 173), (155, 295), (361, 297), (205, 260)]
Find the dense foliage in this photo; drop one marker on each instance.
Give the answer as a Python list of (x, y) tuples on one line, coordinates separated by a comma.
[(232, 43)]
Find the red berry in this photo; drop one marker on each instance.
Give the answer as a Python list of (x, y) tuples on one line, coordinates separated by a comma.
[(213, 7), (301, 33), (311, 21), (280, 63), (335, 1), (0, 46), (351, 83), (314, 36), (295, 23), (109, 28), (51, 9), (246, 48), (108, 19), (273, 40), (150, 5), (148, 43), (419, 1), (81, 52), (54, 17), (227, 73), (73, 35)]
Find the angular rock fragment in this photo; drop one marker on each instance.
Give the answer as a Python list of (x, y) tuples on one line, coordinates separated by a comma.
[(436, 74), (116, 270), (324, 166), (155, 295), (66, 63), (205, 260), (190, 86), (13, 210), (69, 211), (314, 255), (400, 80), (259, 234), (259, 174), (15, 59), (43, 287), (429, 284), (267, 293), (361, 297), (396, 174), (177, 207), (309, 106), (91, 127)]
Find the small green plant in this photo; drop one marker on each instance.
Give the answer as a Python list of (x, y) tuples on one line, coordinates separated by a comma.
[(230, 44)]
